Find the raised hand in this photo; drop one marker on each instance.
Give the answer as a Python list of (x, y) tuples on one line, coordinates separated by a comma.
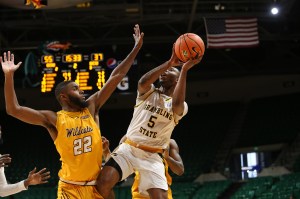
[(190, 63), (174, 61), (105, 144), (40, 177), (4, 160), (7, 62), (138, 36)]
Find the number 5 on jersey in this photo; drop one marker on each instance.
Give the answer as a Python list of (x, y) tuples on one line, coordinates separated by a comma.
[(151, 122)]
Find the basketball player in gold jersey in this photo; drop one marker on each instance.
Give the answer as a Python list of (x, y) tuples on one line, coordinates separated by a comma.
[(172, 160), (74, 129)]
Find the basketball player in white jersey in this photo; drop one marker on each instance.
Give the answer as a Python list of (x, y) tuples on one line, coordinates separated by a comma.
[(156, 113)]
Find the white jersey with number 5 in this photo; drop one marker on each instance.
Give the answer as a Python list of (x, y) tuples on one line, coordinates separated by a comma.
[(153, 119)]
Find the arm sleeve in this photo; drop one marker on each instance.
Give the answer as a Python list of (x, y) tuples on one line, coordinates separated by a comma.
[(9, 189)]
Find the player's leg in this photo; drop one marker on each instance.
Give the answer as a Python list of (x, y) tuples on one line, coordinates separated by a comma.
[(66, 190), (170, 195), (117, 168), (156, 193), (108, 178), (153, 180)]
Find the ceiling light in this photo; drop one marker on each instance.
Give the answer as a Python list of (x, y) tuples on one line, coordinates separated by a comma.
[(274, 10)]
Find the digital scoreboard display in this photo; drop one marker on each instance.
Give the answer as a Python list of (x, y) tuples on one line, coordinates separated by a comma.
[(86, 70)]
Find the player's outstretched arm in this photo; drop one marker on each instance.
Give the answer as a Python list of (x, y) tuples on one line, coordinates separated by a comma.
[(34, 178), (13, 107), (100, 97), (150, 77), (180, 89)]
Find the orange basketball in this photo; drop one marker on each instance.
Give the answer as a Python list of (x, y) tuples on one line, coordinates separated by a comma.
[(189, 45)]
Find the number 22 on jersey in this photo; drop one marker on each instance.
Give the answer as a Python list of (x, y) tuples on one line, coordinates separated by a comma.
[(82, 145)]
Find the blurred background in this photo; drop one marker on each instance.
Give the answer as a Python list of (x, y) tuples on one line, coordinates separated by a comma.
[(240, 138)]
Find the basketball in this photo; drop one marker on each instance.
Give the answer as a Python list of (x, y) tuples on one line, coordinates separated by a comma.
[(189, 45)]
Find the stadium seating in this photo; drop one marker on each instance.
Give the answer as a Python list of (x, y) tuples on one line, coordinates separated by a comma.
[(211, 190)]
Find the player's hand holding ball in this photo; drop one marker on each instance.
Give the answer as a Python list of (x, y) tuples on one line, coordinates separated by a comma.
[(190, 63), (174, 61)]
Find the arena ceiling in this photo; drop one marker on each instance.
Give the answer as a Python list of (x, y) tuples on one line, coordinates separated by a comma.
[(110, 22)]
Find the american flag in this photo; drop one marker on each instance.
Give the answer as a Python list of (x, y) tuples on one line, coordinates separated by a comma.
[(231, 33)]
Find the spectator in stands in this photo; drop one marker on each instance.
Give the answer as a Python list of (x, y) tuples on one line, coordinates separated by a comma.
[(34, 178), (156, 113)]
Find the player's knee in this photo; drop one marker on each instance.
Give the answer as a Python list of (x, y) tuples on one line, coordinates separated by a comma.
[(107, 179)]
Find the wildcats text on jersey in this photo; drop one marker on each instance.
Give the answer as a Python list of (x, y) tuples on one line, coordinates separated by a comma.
[(78, 131)]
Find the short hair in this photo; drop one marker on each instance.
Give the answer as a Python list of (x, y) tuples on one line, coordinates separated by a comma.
[(60, 87), (178, 68)]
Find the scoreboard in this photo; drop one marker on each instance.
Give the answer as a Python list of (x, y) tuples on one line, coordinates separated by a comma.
[(86, 70)]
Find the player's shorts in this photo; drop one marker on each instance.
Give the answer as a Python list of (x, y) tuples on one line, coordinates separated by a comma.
[(71, 191), (137, 195), (150, 166)]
